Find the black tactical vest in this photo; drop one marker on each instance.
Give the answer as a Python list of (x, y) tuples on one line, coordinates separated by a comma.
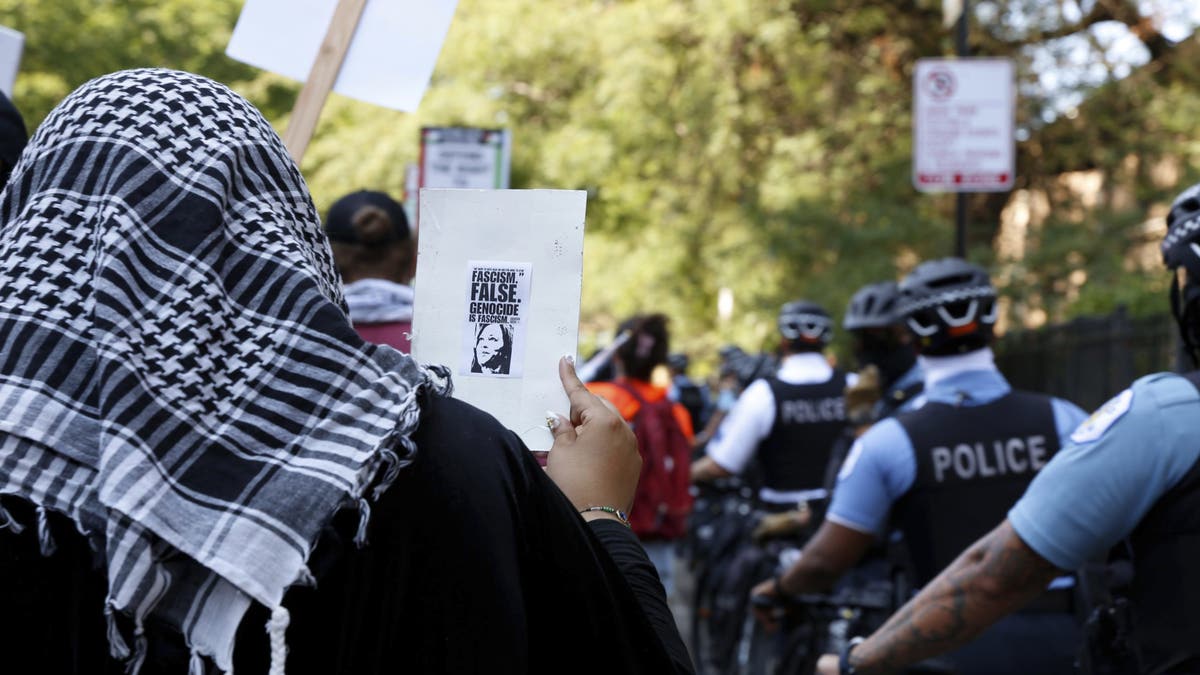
[(1165, 593), (808, 420), (973, 463)]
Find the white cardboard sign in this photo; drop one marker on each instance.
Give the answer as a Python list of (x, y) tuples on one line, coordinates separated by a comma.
[(389, 62), (499, 274), (963, 112), (12, 44)]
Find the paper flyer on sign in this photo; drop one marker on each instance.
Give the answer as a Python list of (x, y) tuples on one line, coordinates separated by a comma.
[(494, 329), (499, 274)]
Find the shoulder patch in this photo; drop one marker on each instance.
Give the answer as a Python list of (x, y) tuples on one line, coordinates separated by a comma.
[(1095, 426)]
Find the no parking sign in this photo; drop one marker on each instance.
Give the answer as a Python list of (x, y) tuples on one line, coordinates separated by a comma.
[(963, 111)]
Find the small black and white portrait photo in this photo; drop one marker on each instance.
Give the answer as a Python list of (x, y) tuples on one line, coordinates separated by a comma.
[(493, 349)]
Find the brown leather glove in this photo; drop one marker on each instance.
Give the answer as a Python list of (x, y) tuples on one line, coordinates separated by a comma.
[(862, 396), (782, 524)]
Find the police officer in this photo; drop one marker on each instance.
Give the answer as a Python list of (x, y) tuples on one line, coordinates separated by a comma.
[(789, 421), (685, 391), (1131, 472), (884, 350), (949, 470), (889, 378)]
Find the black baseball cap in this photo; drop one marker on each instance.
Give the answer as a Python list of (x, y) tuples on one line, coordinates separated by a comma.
[(339, 224)]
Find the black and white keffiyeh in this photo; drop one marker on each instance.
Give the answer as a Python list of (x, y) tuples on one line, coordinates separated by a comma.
[(379, 301), (177, 371)]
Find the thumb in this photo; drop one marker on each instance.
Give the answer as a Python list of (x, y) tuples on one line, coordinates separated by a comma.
[(560, 427)]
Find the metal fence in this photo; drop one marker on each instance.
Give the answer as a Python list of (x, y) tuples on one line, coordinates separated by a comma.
[(1089, 359)]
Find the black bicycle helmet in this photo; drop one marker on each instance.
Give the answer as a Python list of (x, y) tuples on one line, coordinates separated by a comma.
[(751, 367), (805, 323), (1181, 251), (873, 306), (949, 305), (729, 351), (678, 361)]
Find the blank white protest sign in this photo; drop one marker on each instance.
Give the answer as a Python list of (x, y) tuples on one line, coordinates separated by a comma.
[(12, 44), (501, 256), (389, 63)]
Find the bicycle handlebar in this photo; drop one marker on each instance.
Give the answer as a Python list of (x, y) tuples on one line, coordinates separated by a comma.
[(863, 600)]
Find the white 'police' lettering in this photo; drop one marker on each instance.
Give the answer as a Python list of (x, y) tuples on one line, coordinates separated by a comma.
[(1012, 456), (806, 411)]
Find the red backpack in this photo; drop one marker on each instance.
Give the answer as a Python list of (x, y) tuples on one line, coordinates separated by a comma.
[(663, 502)]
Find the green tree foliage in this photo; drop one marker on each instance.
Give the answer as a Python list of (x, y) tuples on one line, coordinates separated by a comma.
[(724, 144), (757, 145)]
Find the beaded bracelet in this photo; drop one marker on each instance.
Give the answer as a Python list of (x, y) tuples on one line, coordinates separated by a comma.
[(621, 515)]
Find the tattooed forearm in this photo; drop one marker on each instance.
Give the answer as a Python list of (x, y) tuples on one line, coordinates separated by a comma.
[(995, 576)]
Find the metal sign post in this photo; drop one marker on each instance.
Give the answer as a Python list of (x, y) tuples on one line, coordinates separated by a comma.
[(963, 49)]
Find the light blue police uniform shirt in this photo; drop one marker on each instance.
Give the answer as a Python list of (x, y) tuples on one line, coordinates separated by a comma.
[(1095, 490), (880, 467), (908, 379)]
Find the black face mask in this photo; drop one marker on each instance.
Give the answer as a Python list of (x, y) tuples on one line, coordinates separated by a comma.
[(882, 350), (1185, 306)]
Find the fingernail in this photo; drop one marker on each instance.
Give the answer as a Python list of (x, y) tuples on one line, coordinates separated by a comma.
[(570, 358), (552, 420)]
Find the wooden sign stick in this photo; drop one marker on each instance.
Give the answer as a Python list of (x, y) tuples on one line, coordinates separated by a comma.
[(322, 77)]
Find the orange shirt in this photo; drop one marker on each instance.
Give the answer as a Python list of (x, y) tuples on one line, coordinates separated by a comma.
[(627, 405)]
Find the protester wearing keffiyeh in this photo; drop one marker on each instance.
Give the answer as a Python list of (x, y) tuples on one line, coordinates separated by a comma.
[(177, 372)]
